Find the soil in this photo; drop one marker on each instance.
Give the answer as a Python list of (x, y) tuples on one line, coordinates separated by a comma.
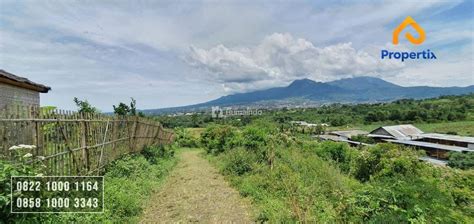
[(196, 192)]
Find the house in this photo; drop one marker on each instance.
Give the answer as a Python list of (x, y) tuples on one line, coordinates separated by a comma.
[(398, 132), (15, 90)]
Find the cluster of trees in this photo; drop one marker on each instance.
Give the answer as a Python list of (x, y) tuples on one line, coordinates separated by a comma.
[(445, 108), (293, 179)]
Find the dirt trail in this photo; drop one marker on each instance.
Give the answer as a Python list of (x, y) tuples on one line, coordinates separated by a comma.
[(196, 192)]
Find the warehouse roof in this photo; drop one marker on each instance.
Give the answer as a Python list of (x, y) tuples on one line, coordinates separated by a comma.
[(404, 131), (431, 145), (348, 133), (455, 138)]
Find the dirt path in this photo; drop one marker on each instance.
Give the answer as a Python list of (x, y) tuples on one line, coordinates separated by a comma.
[(196, 192)]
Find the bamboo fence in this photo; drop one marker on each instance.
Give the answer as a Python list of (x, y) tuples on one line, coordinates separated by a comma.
[(71, 143)]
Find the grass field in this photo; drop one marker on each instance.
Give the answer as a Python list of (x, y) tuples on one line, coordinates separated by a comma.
[(460, 127)]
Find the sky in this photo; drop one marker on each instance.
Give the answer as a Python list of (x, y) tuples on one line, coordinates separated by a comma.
[(175, 53)]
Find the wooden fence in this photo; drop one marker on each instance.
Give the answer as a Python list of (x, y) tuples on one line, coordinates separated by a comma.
[(70, 143)]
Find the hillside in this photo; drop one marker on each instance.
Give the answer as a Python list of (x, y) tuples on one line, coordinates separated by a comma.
[(351, 90)]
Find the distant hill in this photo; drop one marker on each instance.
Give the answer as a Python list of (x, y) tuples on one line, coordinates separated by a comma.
[(351, 90)]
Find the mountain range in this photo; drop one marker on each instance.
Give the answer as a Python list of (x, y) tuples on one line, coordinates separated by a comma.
[(311, 93)]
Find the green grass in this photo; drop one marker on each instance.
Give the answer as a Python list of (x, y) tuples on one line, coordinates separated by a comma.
[(460, 127), (129, 183)]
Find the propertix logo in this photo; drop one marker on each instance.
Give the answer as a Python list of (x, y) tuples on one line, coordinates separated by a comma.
[(425, 54)]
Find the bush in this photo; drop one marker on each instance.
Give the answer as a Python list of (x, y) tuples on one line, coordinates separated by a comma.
[(185, 139), (238, 161), (128, 166), (217, 138), (7, 170), (404, 200), (152, 153), (461, 160), (340, 153), (385, 160)]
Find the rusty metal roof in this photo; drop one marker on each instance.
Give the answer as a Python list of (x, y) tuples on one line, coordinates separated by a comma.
[(9, 78)]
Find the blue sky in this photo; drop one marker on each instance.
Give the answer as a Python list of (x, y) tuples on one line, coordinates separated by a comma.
[(172, 53)]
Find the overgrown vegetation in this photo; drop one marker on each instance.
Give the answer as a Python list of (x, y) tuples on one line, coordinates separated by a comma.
[(461, 160), (129, 182), (292, 179)]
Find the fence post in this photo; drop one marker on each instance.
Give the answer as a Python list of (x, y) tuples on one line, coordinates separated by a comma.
[(133, 142), (84, 140)]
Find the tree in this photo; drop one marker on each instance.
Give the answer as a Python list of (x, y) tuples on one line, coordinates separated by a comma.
[(84, 106), (122, 109), (133, 107)]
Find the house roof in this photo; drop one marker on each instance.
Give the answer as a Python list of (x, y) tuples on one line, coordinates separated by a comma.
[(431, 145), (339, 139), (404, 131), (349, 133), (455, 138), (11, 79)]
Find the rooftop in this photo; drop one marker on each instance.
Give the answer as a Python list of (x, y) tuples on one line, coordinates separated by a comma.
[(339, 139), (348, 133), (11, 79), (404, 131), (431, 145), (434, 161), (456, 138)]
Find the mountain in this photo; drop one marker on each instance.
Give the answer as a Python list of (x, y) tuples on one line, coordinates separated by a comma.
[(308, 92)]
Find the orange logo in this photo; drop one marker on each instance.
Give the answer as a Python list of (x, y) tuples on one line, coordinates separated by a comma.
[(409, 21)]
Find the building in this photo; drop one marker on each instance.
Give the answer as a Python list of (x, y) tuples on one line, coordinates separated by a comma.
[(15, 90), (343, 136), (348, 134), (455, 140), (433, 150), (399, 132), (306, 124), (435, 145)]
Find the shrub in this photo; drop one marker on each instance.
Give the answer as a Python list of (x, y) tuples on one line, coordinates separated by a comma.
[(152, 153), (128, 166), (340, 153), (386, 160), (461, 160), (185, 139), (238, 161), (7, 170), (404, 200), (217, 138)]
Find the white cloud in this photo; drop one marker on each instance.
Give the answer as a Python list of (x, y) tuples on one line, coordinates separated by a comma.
[(280, 58), (110, 50)]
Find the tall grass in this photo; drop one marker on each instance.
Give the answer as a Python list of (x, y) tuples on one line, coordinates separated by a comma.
[(291, 179)]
